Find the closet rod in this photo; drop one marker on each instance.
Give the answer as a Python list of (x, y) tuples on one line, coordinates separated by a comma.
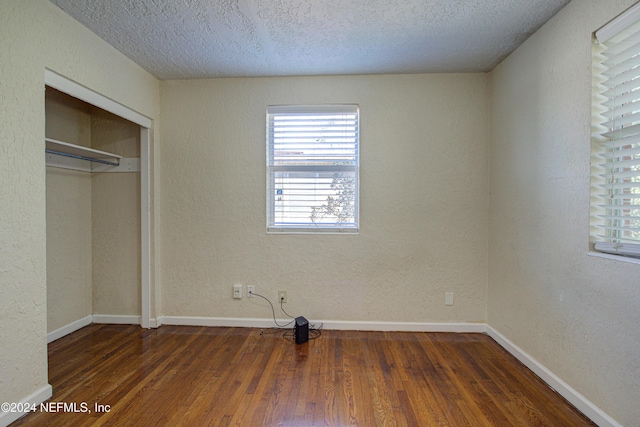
[(76, 156)]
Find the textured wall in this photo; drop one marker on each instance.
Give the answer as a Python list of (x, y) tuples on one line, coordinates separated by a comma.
[(68, 247), (35, 35), (68, 216), (423, 201), (577, 315), (114, 134), (115, 203), (67, 118)]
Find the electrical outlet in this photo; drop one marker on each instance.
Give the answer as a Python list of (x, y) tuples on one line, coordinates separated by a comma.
[(237, 291), (251, 290), (448, 298), (282, 296)]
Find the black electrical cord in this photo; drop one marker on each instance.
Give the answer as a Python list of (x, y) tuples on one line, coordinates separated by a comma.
[(289, 332), (272, 311), (282, 308), (315, 332)]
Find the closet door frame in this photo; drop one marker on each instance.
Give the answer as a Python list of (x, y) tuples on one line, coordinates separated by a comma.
[(61, 83)]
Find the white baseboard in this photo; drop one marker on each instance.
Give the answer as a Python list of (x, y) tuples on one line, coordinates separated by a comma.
[(218, 321), (95, 318), (585, 406), (116, 319), (326, 324), (67, 329), (346, 325), (36, 398), (153, 323)]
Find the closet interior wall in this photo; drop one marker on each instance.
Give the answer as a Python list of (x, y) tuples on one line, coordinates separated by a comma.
[(93, 218)]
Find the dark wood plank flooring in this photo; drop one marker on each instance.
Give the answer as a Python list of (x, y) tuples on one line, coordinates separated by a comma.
[(204, 376)]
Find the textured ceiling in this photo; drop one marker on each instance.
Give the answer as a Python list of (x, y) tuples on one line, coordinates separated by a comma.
[(183, 39)]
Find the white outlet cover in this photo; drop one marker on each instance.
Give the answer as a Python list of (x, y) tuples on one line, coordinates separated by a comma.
[(237, 291), (282, 294), (448, 298)]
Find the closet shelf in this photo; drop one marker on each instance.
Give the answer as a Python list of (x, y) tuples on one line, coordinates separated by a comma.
[(66, 149)]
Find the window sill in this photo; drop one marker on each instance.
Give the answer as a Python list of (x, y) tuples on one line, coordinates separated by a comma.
[(614, 257), (317, 232)]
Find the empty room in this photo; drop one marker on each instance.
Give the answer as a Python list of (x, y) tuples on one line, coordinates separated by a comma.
[(320, 212)]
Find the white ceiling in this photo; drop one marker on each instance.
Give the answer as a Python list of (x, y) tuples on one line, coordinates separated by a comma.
[(184, 39)]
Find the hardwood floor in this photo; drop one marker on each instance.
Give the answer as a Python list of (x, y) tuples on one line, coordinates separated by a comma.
[(199, 376)]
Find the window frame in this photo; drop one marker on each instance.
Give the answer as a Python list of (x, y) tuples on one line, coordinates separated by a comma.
[(615, 172), (352, 170)]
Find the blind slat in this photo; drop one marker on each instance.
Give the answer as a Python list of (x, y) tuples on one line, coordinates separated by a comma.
[(614, 99), (622, 118), (613, 176), (622, 142), (621, 165), (611, 206), (617, 134), (623, 61)]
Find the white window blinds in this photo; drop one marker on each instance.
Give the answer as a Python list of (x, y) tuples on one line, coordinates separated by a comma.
[(312, 168), (616, 144)]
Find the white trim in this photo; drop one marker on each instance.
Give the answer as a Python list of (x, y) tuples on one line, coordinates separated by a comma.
[(83, 93), (619, 23), (614, 257), (326, 324), (618, 248), (580, 402), (116, 319), (67, 329), (291, 109), (43, 394), (231, 322), (402, 326), (145, 227), (100, 319)]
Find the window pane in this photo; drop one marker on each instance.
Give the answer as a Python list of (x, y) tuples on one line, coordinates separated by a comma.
[(314, 198), (312, 160)]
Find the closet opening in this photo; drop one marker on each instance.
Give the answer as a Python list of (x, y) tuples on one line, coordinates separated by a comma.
[(97, 189)]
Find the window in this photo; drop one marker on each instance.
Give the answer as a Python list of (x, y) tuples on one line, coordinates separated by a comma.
[(312, 168), (615, 166)]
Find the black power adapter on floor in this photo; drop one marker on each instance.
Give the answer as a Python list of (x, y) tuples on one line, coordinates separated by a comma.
[(301, 330)]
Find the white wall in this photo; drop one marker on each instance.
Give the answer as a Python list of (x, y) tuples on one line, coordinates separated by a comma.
[(423, 202), (577, 315), (36, 35)]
